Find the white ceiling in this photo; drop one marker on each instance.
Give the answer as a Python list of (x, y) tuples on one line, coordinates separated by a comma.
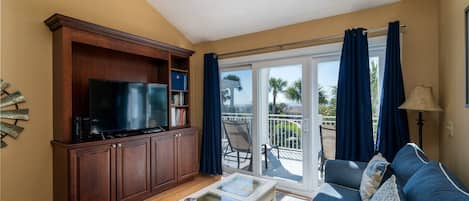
[(208, 20)]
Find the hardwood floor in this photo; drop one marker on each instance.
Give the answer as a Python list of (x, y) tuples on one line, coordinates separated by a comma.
[(185, 189), (200, 182)]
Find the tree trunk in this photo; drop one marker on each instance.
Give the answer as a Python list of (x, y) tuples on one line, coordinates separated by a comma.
[(274, 103)]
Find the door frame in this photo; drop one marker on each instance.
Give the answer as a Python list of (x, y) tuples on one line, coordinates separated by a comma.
[(306, 185), (308, 72), (227, 169), (310, 57)]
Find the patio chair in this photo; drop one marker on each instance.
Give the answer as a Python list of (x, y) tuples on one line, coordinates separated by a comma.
[(239, 140), (328, 139)]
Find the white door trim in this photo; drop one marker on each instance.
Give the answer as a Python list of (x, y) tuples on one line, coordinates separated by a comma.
[(308, 57)]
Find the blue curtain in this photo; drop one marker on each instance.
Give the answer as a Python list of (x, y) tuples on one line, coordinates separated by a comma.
[(353, 116), (210, 160), (393, 130)]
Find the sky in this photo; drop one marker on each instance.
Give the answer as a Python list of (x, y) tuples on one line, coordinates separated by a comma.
[(328, 74)]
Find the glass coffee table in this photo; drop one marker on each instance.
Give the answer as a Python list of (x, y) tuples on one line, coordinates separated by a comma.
[(237, 187)]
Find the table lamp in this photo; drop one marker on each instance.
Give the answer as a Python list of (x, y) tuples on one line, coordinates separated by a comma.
[(421, 100)]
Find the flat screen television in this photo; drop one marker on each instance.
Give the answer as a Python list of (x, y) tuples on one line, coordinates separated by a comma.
[(116, 106)]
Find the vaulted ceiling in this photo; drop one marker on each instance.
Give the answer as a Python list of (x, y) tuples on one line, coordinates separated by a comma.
[(208, 20)]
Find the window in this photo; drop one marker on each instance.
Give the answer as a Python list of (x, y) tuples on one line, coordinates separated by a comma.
[(283, 127), (328, 75)]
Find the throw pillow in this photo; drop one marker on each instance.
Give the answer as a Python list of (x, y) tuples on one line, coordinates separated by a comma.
[(434, 182), (372, 176), (407, 161), (389, 191)]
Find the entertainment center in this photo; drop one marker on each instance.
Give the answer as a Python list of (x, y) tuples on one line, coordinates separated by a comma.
[(131, 161)]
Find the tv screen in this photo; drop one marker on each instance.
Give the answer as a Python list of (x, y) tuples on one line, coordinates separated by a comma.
[(117, 106)]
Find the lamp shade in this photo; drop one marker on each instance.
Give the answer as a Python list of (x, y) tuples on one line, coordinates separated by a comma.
[(421, 99)]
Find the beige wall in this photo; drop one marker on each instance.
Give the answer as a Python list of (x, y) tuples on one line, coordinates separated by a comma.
[(454, 151), (26, 165), (419, 59)]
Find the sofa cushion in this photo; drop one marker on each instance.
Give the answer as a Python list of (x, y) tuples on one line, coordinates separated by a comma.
[(334, 172), (433, 183), (407, 161), (372, 176), (333, 192), (389, 191)]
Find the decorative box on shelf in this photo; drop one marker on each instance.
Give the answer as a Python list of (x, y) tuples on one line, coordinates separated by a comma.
[(178, 80)]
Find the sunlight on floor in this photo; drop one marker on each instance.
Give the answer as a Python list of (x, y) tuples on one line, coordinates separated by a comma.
[(280, 196)]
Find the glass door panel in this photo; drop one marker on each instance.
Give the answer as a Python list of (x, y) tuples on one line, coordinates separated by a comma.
[(328, 74), (237, 119), (281, 140), (327, 79)]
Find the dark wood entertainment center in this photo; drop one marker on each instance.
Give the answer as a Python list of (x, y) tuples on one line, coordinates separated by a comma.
[(127, 168)]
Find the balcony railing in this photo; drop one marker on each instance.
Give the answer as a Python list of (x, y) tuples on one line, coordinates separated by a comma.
[(285, 130)]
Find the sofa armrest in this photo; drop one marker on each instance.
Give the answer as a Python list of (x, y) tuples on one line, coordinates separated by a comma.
[(344, 173)]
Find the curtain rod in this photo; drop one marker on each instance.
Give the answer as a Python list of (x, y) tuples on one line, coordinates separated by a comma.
[(303, 43)]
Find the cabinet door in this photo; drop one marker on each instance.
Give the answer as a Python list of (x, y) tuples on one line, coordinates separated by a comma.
[(133, 169), (187, 154), (93, 175), (164, 161)]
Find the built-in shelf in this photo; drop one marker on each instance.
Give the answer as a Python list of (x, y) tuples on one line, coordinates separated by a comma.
[(179, 70), (178, 91), (180, 106), (179, 127), (93, 51)]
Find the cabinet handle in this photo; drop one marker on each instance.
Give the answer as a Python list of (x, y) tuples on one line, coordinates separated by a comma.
[(119, 145), (113, 146)]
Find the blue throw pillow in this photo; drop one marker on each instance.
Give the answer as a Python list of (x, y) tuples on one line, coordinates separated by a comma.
[(373, 176), (389, 191), (407, 161), (433, 183)]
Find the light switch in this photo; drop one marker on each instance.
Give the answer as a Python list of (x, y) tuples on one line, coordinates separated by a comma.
[(450, 128)]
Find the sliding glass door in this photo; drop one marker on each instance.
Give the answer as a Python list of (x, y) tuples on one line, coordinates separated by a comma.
[(327, 78), (283, 108), (237, 119), (266, 120), (281, 138), (279, 112)]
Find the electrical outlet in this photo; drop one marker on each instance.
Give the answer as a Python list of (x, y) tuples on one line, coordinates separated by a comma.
[(450, 128)]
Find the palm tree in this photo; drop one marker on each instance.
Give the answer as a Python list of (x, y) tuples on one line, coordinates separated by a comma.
[(294, 91), (328, 108), (231, 96), (276, 85), (322, 96)]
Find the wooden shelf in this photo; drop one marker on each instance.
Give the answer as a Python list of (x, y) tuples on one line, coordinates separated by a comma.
[(83, 50), (179, 70), (180, 106), (178, 91), (179, 127)]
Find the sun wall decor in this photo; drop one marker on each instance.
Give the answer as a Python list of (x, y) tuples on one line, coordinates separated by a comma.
[(11, 113)]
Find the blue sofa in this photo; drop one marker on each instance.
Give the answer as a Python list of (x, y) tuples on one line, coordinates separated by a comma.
[(421, 179)]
